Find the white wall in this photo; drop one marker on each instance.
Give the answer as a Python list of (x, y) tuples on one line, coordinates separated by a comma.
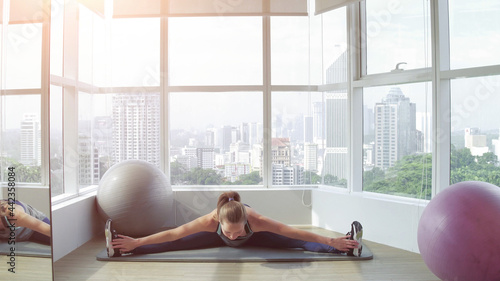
[(37, 196), (74, 222), (384, 219), (284, 205)]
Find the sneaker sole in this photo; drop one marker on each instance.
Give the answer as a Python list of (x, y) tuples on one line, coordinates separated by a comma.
[(358, 236), (109, 239)]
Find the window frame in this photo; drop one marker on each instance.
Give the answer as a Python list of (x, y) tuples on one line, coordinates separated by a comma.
[(43, 91), (438, 74)]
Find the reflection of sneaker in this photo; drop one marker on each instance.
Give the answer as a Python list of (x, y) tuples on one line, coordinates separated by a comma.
[(110, 234), (356, 233)]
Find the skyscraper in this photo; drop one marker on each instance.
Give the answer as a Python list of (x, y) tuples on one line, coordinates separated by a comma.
[(31, 147), (317, 121), (395, 129), (205, 157), (336, 155), (308, 129), (475, 141), (136, 124), (311, 157)]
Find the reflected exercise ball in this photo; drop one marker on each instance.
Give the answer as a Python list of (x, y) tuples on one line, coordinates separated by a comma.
[(459, 232), (136, 196)]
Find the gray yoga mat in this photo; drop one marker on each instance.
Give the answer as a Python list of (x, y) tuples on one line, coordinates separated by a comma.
[(26, 249), (241, 254)]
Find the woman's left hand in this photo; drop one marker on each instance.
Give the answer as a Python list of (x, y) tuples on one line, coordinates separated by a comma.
[(344, 243)]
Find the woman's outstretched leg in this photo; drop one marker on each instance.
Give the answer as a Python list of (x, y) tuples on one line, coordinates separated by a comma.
[(273, 240)]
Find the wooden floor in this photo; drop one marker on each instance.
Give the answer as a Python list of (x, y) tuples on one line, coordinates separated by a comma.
[(388, 264), (26, 268)]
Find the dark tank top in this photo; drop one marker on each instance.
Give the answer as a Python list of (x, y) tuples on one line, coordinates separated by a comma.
[(238, 241)]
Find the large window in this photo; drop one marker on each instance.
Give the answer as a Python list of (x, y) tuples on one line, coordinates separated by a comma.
[(347, 98), (21, 128)]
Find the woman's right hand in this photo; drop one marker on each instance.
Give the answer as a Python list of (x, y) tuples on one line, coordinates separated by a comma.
[(125, 243)]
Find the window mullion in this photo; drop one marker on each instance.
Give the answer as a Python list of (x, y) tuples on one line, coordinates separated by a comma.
[(164, 98), (70, 100), (45, 101), (267, 134), (441, 96), (355, 98)]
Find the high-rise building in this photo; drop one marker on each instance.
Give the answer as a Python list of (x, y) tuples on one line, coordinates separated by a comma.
[(255, 131), (317, 121), (281, 151), (31, 147), (311, 157), (210, 137), (226, 138), (336, 157), (245, 133), (308, 129), (205, 157), (88, 159), (395, 129), (283, 175), (136, 127), (102, 135), (475, 141), (240, 152), (424, 125), (233, 171), (256, 157)]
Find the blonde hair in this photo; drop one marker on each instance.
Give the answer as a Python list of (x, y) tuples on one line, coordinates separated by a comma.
[(230, 209)]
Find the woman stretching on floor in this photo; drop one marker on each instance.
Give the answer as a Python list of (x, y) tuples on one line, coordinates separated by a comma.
[(22, 222), (233, 224)]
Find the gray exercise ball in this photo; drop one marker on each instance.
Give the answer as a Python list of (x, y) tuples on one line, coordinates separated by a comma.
[(136, 196)]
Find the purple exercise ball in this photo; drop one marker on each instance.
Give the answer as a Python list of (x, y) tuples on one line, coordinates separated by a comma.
[(459, 232)]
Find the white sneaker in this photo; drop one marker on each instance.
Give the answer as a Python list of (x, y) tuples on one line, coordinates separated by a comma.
[(356, 233), (110, 234)]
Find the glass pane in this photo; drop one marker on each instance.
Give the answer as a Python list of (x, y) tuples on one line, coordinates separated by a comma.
[(335, 46), (23, 56), (56, 38), (86, 156), (135, 54), (290, 48), (56, 142), (216, 138), (116, 127), (297, 142), (475, 142), (397, 31), (215, 51), (91, 50), (474, 33), (397, 140), (21, 137)]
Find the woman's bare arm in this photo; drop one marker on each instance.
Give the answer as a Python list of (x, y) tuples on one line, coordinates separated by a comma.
[(32, 223), (262, 223), (204, 223), (20, 218)]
